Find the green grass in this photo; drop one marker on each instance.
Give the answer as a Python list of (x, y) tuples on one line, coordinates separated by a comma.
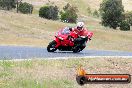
[(5, 74), (26, 64), (58, 83), (21, 75), (6, 64), (30, 83), (59, 73)]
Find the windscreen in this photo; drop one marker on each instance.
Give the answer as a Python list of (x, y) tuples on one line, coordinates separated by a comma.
[(65, 31)]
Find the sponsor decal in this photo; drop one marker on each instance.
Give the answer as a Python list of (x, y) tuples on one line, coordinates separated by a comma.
[(83, 78)]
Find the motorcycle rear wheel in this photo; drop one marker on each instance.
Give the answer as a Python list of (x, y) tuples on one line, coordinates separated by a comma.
[(51, 46)]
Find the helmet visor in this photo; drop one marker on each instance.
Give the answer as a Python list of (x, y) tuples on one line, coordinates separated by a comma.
[(79, 28)]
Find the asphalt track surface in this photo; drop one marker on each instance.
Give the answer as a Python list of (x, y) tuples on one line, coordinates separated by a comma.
[(25, 52)]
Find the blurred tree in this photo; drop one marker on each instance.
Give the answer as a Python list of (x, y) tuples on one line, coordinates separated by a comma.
[(111, 13), (25, 8), (69, 14), (7, 4), (89, 10), (128, 17), (124, 26), (96, 13), (49, 12)]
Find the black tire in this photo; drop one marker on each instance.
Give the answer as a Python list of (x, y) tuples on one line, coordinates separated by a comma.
[(76, 50), (82, 47), (81, 80), (51, 46)]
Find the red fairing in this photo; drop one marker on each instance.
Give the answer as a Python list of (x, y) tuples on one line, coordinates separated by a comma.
[(62, 36), (58, 42)]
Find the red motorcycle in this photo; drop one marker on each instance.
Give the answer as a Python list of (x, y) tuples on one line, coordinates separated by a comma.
[(67, 40)]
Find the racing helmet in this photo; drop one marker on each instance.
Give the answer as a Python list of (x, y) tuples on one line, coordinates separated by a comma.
[(80, 26)]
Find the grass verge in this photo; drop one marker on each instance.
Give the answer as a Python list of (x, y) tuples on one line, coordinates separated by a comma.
[(44, 73)]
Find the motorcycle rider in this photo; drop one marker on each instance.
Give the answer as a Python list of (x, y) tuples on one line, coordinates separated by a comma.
[(80, 31)]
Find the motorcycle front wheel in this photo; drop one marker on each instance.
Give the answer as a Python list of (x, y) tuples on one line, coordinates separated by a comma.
[(51, 46)]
